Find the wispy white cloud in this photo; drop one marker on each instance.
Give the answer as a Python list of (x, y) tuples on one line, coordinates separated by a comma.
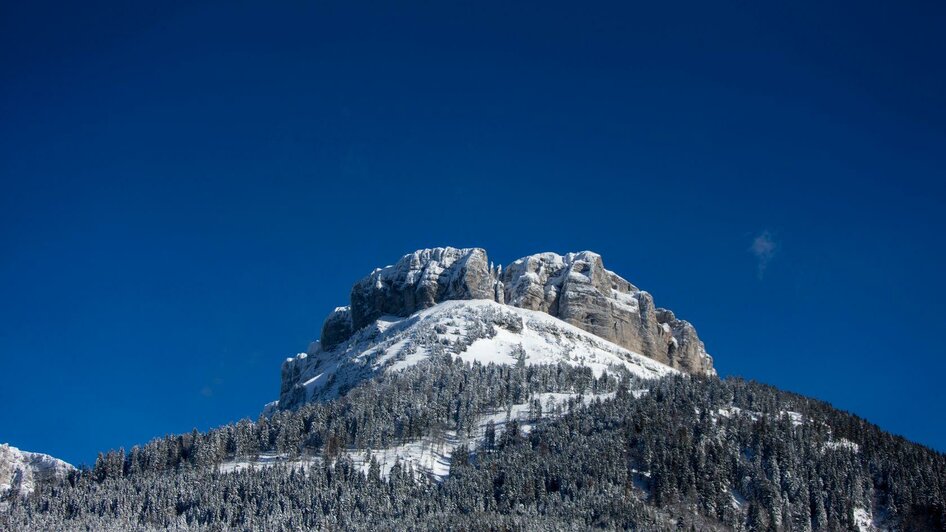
[(763, 248), (209, 390)]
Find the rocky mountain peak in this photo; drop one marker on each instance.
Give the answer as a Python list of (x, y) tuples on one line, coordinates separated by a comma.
[(22, 471), (575, 288)]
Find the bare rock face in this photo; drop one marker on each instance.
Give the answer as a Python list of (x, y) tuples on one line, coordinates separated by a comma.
[(575, 288), (685, 347), (421, 280), (337, 327)]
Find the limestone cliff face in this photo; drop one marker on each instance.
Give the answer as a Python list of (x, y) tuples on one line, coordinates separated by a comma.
[(337, 327), (421, 280), (575, 288)]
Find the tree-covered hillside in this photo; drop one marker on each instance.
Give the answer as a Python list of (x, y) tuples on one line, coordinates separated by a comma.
[(677, 453)]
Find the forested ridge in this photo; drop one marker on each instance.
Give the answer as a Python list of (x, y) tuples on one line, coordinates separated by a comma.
[(690, 453)]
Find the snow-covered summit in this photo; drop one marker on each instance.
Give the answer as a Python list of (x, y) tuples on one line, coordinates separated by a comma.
[(575, 288), (21, 471), (549, 304)]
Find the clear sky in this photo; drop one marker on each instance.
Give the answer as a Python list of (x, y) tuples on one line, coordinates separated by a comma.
[(188, 191)]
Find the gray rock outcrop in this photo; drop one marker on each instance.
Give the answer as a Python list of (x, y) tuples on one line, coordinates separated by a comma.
[(575, 288), (685, 349), (421, 280), (337, 327)]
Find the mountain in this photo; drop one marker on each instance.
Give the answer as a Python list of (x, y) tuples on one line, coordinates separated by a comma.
[(576, 288), (550, 394), (556, 308), (21, 471)]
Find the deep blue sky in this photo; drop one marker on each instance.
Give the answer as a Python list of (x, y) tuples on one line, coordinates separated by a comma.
[(187, 192)]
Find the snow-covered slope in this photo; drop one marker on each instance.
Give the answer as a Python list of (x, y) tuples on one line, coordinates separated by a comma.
[(480, 331), (21, 471)]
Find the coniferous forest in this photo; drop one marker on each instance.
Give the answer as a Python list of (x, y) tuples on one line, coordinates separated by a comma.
[(680, 453)]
